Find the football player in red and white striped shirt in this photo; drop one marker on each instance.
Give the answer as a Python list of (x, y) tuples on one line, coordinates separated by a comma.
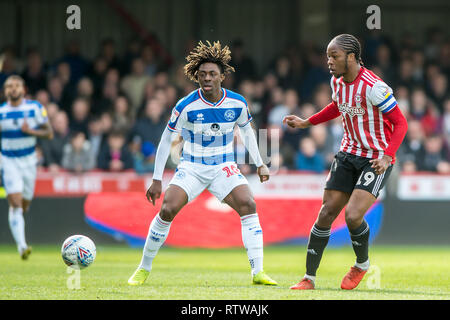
[(374, 128)]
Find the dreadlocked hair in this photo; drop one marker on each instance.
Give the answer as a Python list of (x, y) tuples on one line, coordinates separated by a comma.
[(349, 44), (208, 53)]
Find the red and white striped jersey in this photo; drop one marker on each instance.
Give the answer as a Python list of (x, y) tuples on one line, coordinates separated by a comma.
[(363, 104)]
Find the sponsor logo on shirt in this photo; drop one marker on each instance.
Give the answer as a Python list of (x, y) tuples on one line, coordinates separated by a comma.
[(351, 110)]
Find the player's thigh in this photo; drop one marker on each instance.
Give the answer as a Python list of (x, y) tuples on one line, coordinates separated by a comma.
[(186, 178), (29, 182), (241, 200), (227, 178), (343, 175), (333, 201), (13, 183)]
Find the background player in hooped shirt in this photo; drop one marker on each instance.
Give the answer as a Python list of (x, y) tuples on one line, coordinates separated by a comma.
[(374, 128), (206, 119), (21, 122)]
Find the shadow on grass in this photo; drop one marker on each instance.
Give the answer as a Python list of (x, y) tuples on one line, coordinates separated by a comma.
[(384, 291)]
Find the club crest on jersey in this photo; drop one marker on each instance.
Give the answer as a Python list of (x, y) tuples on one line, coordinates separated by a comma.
[(358, 98), (229, 115), (350, 110), (174, 116)]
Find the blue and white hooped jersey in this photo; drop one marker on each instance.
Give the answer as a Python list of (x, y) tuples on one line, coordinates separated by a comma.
[(15, 143), (208, 128)]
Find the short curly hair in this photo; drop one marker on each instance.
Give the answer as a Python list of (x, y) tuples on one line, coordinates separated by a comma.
[(208, 53)]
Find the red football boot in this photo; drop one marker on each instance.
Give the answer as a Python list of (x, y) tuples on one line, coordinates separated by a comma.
[(352, 278), (305, 284)]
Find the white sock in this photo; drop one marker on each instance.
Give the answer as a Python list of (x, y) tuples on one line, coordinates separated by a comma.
[(17, 226), (252, 238), (312, 278), (157, 234), (363, 266)]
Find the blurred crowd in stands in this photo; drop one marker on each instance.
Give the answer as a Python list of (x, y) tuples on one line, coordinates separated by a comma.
[(109, 113)]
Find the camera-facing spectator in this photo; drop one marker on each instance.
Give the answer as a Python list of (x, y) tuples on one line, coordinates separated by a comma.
[(434, 158), (150, 127), (134, 84), (80, 115), (53, 149), (307, 158), (115, 156), (77, 156)]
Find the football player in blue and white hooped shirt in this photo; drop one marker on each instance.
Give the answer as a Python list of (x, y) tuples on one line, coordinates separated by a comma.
[(21, 123), (206, 119)]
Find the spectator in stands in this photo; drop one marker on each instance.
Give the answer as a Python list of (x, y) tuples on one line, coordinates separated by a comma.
[(34, 74), (55, 90), (52, 110), (96, 136), (85, 89), (97, 74), (412, 147), (9, 65), (77, 156), (144, 158), (243, 64), (324, 143), (289, 105), (284, 73), (121, 117), (132, 51), (150, 127), (80, 115), (52, 149), (439, 90), (43, 97), (149, 60), (445, 125), (109, 94), (307, 158), (115, 156), (434, 158), (78, 65), (108, 52), (134, 84)]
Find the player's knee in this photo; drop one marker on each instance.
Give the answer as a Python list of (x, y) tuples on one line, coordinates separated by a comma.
[(327, 215), (353, 218), (168, 211), (247, 206)]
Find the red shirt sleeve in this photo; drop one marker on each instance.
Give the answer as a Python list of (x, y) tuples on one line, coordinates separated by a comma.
[(330, 112), (400, 128)]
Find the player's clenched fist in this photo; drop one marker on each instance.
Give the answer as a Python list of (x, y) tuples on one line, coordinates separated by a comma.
[(263, 173), (154, 192), (296, 122)]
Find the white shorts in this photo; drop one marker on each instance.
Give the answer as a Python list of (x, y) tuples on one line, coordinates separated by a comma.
[(220, 179), (18, 178)]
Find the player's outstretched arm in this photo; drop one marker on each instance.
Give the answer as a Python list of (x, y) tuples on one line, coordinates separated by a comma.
[(296, 122), (162, 153), (330, 112)]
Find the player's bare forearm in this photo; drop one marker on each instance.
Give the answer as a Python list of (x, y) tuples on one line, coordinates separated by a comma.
[(45, 131), (296, 122)]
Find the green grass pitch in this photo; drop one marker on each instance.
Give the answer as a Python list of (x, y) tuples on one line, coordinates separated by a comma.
[(398, 272)]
